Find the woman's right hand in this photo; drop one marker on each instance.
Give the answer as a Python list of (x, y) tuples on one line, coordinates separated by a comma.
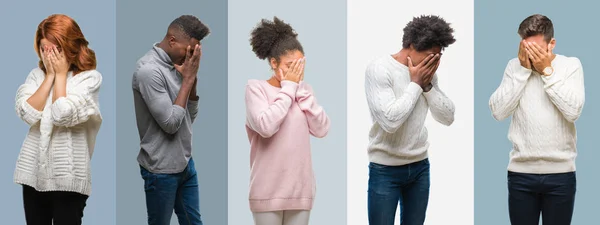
[(294, 73), (45, 52)]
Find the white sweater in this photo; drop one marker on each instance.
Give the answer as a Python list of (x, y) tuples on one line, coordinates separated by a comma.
[(543, 110), (398, 110), (56, 153)]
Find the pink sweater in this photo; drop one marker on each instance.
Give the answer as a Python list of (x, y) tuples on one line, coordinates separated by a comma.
[(279, 122)]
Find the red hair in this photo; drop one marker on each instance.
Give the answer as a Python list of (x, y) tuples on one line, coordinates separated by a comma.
[(64, 32)]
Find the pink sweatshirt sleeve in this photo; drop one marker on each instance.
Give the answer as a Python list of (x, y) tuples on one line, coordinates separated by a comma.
[(318, 121), (264, 117)]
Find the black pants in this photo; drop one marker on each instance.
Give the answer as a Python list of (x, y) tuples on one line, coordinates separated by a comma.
[(60, 207), (552, 195)]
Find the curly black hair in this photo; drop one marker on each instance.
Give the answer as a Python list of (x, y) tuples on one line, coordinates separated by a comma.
[(191, 26), (272, 39), (536, 24), (425, 32)]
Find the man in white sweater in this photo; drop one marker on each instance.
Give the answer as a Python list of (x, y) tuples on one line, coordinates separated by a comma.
[(544, 94), (401, 89)]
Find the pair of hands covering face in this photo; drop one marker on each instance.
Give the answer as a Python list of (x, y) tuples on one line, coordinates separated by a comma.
[(54, 61), (533, 56), (295, 72), (422, 74)]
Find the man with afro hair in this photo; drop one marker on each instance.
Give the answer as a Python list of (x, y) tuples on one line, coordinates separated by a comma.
[(401, 89)]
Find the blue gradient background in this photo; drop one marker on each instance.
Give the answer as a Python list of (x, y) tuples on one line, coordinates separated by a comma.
[(496, 42)]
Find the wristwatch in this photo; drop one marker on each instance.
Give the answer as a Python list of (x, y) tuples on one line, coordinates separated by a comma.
[(548, 71)]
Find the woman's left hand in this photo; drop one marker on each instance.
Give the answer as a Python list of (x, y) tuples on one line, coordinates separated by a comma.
[(59, 62), (303, 65)]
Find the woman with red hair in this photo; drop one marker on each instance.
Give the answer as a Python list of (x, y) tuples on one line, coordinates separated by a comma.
[(59, 101)]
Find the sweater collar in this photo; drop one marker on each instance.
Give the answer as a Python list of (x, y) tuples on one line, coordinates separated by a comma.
[(163, 57), (397, 64)]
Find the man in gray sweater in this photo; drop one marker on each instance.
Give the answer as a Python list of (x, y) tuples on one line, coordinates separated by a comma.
[(166, 104)]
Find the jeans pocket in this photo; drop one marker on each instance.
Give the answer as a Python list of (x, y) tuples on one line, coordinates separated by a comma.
[(149, 179)]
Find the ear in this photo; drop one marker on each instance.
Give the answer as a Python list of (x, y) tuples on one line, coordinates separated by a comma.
[(273, 63), (172, 41), (552, 44)]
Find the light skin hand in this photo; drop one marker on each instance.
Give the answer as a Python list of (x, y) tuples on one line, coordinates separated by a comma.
[(540, 58), (523, 55), (38, 99), (59, 62), (61, 68)]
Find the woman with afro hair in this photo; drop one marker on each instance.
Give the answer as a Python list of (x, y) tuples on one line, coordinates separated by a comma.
[(281, 115)]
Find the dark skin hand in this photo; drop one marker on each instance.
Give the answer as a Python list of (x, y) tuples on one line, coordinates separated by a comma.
[(540, 58), (422, 74)]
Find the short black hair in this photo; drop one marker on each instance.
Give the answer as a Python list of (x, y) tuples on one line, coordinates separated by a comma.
[(272, 39), (425, 32), (536, 24), (191, 26)]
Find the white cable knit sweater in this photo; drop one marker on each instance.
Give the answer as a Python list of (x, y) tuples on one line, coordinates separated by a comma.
[(56, 153), (544, 110), (398, 110)]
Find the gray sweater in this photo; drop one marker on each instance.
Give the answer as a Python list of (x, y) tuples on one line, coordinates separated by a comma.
[(165, 129)]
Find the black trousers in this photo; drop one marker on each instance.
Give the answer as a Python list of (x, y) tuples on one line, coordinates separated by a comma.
[(54, 207), (551, 195)]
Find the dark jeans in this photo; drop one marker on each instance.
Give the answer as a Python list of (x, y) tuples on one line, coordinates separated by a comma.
[(407, 185), (552, 195), (42, 208), (168, 192)]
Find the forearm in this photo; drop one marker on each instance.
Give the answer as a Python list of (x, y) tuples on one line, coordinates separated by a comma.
[(441, 107), (38, 99), (391, 112), (193, 95), (184, 93), (505, 99), (567, 93), (60, 87)]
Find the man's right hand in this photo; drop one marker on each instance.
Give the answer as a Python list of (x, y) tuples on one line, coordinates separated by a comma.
[(191, 63), (422, 74), (523, 57)]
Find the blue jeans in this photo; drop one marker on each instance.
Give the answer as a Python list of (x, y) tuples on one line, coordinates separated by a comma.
[(406, 185), (552, 195), (168, 192)]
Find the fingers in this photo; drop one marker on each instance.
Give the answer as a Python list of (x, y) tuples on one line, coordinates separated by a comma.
[(433, 61), (426, 60), (537, 49), (549, 52), (410, 63), (196, 55), (187, 53), (282, 75)]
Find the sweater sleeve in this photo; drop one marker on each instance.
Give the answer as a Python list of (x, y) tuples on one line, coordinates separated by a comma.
[(389, 111), (264, 117), (567, 91), (24, 110), (153, 89), (81, 101), (505, 99), (441, 107), (318, 121)]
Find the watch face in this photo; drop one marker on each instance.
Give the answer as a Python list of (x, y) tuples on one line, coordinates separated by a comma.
[(547, 71)]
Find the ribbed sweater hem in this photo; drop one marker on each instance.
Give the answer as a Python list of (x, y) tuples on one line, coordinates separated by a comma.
[(384, 158), (69, 184), (279, 204), (541, 167)]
